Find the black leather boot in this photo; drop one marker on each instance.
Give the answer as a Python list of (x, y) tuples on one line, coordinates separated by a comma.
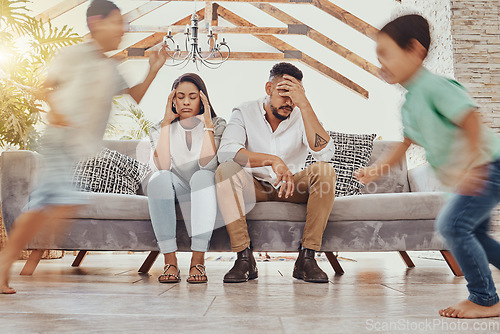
[(307, 269), (244, 269)]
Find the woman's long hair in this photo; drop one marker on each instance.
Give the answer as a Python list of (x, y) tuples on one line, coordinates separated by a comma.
[(196, 80)]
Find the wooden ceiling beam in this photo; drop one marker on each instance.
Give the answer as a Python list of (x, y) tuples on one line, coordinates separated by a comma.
[(123, 55), (292, 53), (273, 1), (214, 21), (209, 10), (341, 14), (216, 30), (59, 9), (346, 17), (324, 5), (157, 37), (139, 12), (319, 38), (142, 10)]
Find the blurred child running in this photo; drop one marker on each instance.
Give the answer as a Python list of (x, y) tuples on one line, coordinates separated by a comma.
[(80, 87), (440, 116)]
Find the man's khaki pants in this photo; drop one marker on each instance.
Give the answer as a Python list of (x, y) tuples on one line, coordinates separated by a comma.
[(237, 189)]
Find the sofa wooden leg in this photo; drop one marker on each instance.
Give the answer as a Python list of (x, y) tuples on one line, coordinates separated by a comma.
[(406, 258), (452, 263), (148, 263), (32, 262), (335, 263), (79, 258)]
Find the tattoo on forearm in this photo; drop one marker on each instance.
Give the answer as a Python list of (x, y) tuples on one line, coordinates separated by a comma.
[(320, 141)]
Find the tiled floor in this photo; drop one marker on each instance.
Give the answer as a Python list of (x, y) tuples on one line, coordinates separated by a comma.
[(107, 295)]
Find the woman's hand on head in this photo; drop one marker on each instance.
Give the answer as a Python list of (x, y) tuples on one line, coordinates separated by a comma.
[(206, 117), (169, 116)]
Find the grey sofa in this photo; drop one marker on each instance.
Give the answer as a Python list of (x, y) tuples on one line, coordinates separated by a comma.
[(396, 213)]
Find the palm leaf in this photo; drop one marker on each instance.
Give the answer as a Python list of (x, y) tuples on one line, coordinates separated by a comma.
[(18, 117), (6, 40), (142, 125), (47, 39), (22, 75), (14, 14)]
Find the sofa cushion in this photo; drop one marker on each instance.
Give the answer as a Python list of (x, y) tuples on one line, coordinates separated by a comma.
[(116, 207), (110, 172), (413, 206), (396, 181), (352, 152), (370, 207), (137, 149), (423, 178)]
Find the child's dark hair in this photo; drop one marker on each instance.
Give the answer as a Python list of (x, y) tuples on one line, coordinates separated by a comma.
[(196, 80), (283, 68), (405, 28), (101, 8)]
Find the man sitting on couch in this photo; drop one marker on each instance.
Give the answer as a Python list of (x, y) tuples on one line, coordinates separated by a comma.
[(262, 154)]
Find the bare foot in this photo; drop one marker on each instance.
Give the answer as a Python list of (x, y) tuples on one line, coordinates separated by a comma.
[(4, 285), (4, 280), (7, 290), (470, 310)]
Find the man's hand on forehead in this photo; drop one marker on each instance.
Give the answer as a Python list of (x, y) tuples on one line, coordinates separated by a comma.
[(292, 88), (287, 82), (287, 77)]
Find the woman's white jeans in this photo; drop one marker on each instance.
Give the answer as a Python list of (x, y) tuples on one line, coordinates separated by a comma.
[(199, 196)]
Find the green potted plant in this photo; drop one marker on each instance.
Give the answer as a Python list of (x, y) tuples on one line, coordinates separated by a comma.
[(27, 46)]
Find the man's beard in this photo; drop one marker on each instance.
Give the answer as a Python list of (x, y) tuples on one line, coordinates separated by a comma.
[(277, 115)]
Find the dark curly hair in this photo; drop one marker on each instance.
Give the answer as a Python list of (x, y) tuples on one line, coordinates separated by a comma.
[(405, 28), (283, 68)]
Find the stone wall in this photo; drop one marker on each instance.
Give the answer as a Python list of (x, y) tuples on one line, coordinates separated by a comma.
[(476, 49), (440, 57), (438, 13)]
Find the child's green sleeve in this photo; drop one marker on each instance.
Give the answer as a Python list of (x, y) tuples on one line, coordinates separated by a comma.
[(452, 100)]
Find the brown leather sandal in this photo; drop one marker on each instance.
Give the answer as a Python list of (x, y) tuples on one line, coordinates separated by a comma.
[(166, 278), (203, 273)]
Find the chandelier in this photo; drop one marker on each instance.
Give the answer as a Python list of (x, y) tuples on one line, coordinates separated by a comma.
[(213, 58)]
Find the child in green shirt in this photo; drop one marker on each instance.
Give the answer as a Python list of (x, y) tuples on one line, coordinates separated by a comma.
[(440, 116)]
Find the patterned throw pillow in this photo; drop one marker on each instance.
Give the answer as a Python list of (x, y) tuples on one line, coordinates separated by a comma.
[(110, 172), (352, 152)]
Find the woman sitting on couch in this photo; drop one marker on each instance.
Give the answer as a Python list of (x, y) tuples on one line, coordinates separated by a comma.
[(184, 155)]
